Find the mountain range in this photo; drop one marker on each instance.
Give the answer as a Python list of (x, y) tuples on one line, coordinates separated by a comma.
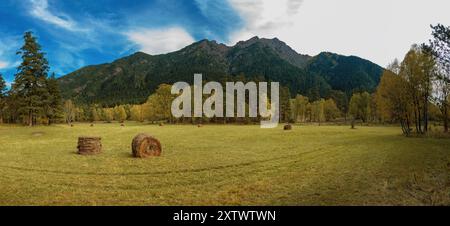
[(133, 78)]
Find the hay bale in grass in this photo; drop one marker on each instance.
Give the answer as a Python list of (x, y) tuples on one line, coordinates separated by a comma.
[(89, 145), (92, 125), (161, 124), (288, 127), (199, 125), (122, 124), (144, 146)]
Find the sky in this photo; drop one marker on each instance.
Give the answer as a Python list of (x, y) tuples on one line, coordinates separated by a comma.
[(77, 33)]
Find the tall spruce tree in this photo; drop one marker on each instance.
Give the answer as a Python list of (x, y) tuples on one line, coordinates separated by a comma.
[(53, 105), (30, 84), (285, 104), (2, 97)]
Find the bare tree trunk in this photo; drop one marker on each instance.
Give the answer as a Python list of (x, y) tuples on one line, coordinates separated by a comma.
[(408, 126), (425, 116), (404, 129), (419, 121)]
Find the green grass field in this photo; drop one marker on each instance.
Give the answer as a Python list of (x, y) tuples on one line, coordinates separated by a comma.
[(224, 165)]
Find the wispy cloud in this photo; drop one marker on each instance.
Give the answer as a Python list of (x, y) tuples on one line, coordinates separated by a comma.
[(40, 10), (8, 48), (264, 17), (4, 64), (8, 65), (159, 41)]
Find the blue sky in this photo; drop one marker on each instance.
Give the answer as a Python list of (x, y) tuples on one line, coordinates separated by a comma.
[(77, 33), (83, 32)]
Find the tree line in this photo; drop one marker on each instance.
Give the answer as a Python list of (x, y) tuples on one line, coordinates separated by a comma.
[(412, 92)]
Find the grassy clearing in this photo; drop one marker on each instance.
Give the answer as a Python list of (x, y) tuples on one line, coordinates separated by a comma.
[(224, 165)]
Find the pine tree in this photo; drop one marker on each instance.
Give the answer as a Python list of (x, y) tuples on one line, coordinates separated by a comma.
[(2, 97), (54, 106), (285, 104), (30, 81)]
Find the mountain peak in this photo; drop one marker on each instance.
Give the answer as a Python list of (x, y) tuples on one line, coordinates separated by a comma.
[(254, 38), (248, 42), (280, 48), (205, 45)]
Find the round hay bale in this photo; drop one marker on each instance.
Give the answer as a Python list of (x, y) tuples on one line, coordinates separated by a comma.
[(161, 124), (144, 146), (288, 127), (89, 145), (92, 125)]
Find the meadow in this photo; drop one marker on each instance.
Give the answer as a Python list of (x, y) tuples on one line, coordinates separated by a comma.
[(224, 165)]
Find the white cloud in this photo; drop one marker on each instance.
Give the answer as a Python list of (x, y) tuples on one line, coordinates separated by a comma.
[(8, 65), (379, 30), (159, 41), (8, 48), (4, 64), (40, 10), (264, 17)]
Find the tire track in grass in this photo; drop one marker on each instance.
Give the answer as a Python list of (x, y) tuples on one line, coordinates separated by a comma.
[(294, 158)]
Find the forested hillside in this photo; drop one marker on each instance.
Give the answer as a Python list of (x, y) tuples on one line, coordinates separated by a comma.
[(132, 79)]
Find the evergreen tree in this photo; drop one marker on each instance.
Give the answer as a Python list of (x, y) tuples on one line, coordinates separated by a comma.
[(285, 104), (2, 97), (53, 108), (30, 81)]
